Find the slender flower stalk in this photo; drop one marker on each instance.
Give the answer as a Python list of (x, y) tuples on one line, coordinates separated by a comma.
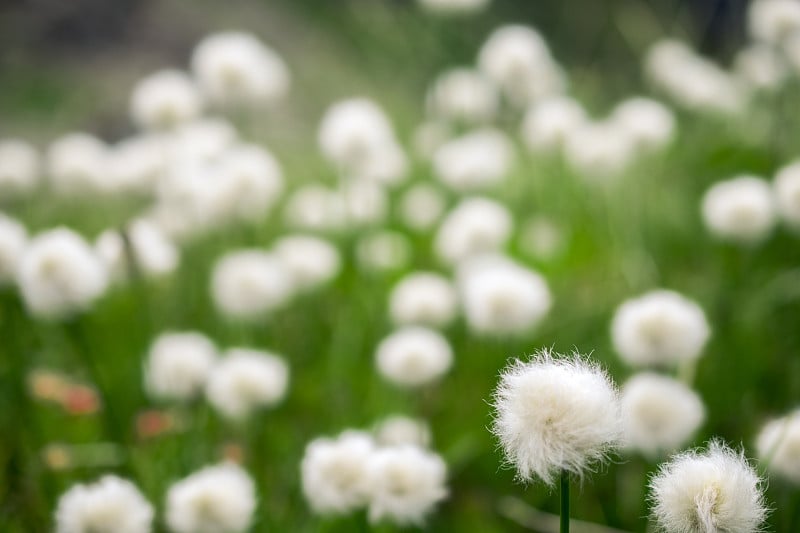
[(564, 502)]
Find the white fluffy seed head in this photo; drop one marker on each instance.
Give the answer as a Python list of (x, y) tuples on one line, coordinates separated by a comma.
[(334, 473), (649, 123), (406, 483), (660, 414), (178, 365), (311, 261), (165, 99), (659, 328), (786, 189), (13, 241), (463, 95), (773, 21), (77, 164), (423, 298), (454, 7), (153, 254), (236, 69), (778, 446), (422, 206), (316, 208), (109, 505), (413, 356), (555, 414), (352, 131), (19, 167), (477, 160), (213, 499), (740, 209), (59, 274), (707, 492), (401, 430), (249, 283), (251, 181), (549, 123), (244, 380), (475, 226), (137, 163)]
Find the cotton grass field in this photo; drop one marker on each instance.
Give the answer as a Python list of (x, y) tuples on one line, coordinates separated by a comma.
[(426, 265)]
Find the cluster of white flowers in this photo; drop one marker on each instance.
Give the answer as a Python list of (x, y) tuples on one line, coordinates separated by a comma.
[(109, 505)]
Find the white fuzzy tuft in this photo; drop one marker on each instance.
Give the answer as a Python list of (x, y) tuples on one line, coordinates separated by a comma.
[(741, 209), (423, 298), (248, 283), (109, 505), (414, 356), (178, 365)]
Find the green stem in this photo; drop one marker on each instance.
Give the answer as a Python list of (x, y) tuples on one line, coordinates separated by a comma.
[(564, 501)]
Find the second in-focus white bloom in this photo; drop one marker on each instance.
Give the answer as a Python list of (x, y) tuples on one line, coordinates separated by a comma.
[(178, 365), (778, 446), (501, 297), (475, 226), (422, 206), (454, 7), (109, 505), (556, 414), (413, 356), (463, 95), (311, 261), (244, 380), (401, 430), (153, 254), (740, 209), (706, 492), (659, 328), (659, 413), (423, 298), (406, 483), (787, 194), (772, 21), (383, 251), (334, 472), (213, 499), (165, 99), (549, 123), (19, 167), (600, 149), (248, 283), (235, 68), (13, 240), (60, 274), (650, 124), (477, 160), (77, 164)]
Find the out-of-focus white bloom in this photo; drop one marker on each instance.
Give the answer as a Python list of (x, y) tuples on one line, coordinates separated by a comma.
[(251, 181), (549, 123), (244, 380), (791, 52), (413, 356), (77, 164), (600, 149), (740, 209), (475, 226), (760, 67), (153, 253), (59, 274), (406, 483), (704, 492), (501, 297), (311, 261), (165, 99), (13, 240), (423, 298), (659, 328), (213, 499), (334, 472), (401, 430), (772, 21), (463, 95), (556, 414), (518, 60), (136, 164), (386, 165), (236, 68), (778, 446), (422, 206), (178, 365), (787, 194), (429, 136), (650, 124), (248, 283), (477, 160), (201, 140), (315, 207), (364, 202), (383, 250), (454, 7), (541, 238), (19, 167), (109, 505), (659, 413)]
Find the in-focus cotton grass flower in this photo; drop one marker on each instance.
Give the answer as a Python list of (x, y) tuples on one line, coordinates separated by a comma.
[(311, 261), (77, 164), (406, 483), (773, 21), (659, 328), (549, 123), (398, 430), (708, 492), (761, 67), (475, 226), (148, 252), (556, 414), (477, 160), (778, 446), (236, 69), (383, 251), (786, 187), (741, 209), (165, 99), (244, 380), (214, 499), (649, 123), (422, 206), (59, 274), (109, 505), (13, 241), (660, 414), (463, 95), (501, 297), (246, 284), (600, 150), (423, 298), (19, 167), (454, 7), (413, 356), (178, 365), (334, 472), (251, 181)]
